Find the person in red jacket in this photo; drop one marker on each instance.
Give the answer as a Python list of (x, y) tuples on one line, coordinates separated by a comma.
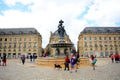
[(117, 57), (67, 61)]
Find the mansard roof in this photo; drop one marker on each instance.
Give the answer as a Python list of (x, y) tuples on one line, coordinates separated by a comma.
[(101, 30), (15, 31)]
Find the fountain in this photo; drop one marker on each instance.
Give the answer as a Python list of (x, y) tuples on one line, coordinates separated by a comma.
[(59, 46)]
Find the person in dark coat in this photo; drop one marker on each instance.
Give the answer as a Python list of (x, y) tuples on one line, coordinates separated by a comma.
[(0, 60), (23, 59), (31, 58), (34, 57)]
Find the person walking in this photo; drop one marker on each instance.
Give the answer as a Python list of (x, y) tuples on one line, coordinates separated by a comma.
[(77, 61), (34, 57), (0, 60), (23, 59), (94, 60), (31, 58), (117, 57), (4, 59), (112, 58), (67, 61), (72, 62)]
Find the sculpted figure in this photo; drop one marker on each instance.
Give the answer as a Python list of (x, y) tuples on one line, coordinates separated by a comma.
[(61, 29)]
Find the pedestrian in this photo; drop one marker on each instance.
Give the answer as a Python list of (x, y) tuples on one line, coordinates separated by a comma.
[(67, 61), (72, 62), (23, 59), (31, 58), (4, 59), (112, 57), (20, 58), (94, 60), (77, 61), (0, 60), (117, 57), (34, 57)]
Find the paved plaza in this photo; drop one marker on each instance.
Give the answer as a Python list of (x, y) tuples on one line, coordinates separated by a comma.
[(105, 70)]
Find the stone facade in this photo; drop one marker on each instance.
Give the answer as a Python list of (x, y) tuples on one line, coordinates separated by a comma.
[(99, 41), (17, 41)]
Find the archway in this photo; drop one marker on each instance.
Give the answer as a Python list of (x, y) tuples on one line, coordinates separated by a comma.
[(9, 55), (57, 52), (101, 54), (14, 55), (19, 55)]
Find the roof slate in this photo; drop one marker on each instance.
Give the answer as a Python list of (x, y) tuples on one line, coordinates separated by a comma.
[(101, 30), (15, 31)]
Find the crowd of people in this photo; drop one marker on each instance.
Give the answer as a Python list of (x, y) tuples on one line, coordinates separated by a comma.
[(72, 61), (3, 59), (31, 57)]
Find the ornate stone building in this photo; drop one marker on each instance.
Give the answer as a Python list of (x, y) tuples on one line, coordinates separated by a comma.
[(99, 41), (59, 43), (17, 41)]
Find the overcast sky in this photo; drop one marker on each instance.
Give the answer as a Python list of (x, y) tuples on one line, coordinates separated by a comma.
[(44, 15)]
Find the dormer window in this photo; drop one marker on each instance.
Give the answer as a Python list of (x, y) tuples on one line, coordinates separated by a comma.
[(35, 31), (21, 32), (11, 32), (30, 32), (99, 31), (89, 31), (118, 31), (108, 31), (2, 33)]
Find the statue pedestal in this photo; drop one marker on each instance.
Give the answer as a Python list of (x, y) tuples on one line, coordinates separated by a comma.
[(50, 61), (61, 40), (61, 53)]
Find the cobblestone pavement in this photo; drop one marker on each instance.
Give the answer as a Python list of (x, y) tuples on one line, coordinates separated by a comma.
[(105, 70)]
